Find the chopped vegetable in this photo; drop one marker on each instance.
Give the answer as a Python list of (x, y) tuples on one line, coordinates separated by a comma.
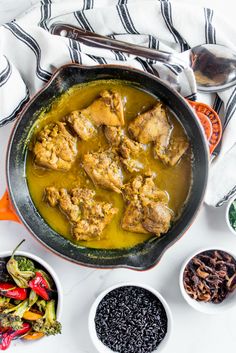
[(232, 214), (33, 297), (21, 269), (33, 336), (40, 285), (12, 317), (4, 275), (32, 316), (25, 264), (41, 304), (47, 278), (7, 336), (11, 291), (48, 324), (5, 340), (12, 321), (4, 303)]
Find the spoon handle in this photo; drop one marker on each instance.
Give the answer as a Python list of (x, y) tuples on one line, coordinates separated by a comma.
[(98, 41)]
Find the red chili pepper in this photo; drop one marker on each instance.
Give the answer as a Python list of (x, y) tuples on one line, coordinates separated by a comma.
[(9, 290), (40, 286), (26, 327), (9, 335), (5, 341)]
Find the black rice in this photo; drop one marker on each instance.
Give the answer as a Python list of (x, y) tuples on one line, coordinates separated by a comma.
[(131, 319)]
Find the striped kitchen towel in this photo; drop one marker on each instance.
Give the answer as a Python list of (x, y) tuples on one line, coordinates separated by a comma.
[(29, 54)]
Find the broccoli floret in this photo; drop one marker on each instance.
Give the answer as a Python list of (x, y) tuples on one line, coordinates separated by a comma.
[(4, 303), (48, 324), (13, 321), (25, 264), (12, 316)]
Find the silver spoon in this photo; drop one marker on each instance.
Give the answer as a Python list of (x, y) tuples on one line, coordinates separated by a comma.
[(214, 65)]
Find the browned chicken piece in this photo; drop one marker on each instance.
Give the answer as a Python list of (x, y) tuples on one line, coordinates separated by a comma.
[(171, 154), (131, 189), (133, 217), (106, 110), (113, 135), (132, 165), (149, 191), (88, 217), (129, 150), (79, 195), (152, 125), (129, 147), (146, 210), (62, 198), (93, 220), (52, 195), (156, 218), (81, 125), (55, 147), (145, 189), (104, 169)]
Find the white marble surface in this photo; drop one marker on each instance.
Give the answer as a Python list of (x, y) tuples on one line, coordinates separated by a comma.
[(193, 332)]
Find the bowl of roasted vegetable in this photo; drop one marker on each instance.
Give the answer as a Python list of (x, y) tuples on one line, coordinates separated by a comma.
[(30, 298), (107, 166), (208, 280)]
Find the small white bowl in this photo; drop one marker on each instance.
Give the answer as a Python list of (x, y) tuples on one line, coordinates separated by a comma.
[(227, 215), (91, 319), (48, 269), (207, 308)]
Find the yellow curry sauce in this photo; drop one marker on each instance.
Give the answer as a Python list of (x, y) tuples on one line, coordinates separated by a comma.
[(175, 180)]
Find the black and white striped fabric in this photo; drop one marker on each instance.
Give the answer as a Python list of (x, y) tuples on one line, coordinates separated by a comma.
[(29, 54)]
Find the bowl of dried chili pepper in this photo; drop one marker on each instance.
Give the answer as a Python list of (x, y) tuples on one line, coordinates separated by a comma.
[(30, 298), (208, 280)]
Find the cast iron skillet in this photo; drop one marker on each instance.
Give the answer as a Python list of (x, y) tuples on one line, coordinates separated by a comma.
[(142, 256)]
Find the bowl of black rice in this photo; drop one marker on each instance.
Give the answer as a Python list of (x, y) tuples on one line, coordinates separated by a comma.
[(130, 318)]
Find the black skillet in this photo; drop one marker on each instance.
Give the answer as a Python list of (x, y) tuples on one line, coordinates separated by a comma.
[(142, 256)]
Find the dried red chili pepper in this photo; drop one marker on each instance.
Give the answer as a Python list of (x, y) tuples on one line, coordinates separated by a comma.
[(9, 290), (7, 336), (39, 284)]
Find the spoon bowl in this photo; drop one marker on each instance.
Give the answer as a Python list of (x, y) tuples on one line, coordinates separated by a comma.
[(214, 67)]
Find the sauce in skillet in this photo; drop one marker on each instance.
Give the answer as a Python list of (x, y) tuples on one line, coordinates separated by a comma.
[(175, 180)]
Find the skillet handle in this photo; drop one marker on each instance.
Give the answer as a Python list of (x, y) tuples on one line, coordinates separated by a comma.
[(210, 122), (7, 212)]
